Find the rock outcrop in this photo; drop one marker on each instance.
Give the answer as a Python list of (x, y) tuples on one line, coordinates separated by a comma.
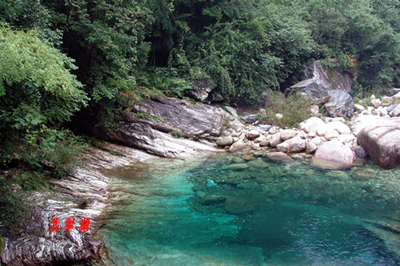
[(82, 194), (382, 141), (328, 86), (167, 127)]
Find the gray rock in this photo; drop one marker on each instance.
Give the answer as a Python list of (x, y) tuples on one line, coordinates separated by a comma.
[(35, 245), (258, 164), (200, 90), (340, 127), (262, 127), (278, 156), (264, 142), (396, 111), (249, 119), (312, 124), (320, 80), (360, 152), (391, 107), (166, 115), (240, 205), (331, 134), (382, 141), (359, 107), (252, 134), (387, 101), (340, 104), (237, 159)]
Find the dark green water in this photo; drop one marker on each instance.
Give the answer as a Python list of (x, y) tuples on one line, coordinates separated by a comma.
[(282, 214)]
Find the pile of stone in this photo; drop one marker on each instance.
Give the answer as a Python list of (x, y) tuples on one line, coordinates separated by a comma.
[(385, 106), (329, 139)]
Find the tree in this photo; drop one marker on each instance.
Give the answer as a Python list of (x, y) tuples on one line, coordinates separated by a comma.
[(37, 90)]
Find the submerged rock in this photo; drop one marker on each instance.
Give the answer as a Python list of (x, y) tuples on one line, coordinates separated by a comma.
[(240, 205), (236, 166)]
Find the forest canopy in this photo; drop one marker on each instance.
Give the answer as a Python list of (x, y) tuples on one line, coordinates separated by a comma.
[(240, 47), (61, 58)]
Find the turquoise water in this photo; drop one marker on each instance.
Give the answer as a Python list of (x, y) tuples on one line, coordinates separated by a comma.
[(281, 214)]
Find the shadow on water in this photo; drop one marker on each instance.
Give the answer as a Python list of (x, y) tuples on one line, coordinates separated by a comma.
[(209, 213)]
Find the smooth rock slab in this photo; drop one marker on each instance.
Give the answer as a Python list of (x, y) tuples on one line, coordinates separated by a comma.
[(382, 141), (333, 155)]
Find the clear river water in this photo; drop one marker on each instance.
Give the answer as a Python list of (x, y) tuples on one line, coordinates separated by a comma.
[(223, 211)]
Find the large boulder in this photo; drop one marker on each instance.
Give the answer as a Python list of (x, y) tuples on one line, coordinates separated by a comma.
[(340, 104), (333, 155), (321, 79), (382, 141), (327, 84)]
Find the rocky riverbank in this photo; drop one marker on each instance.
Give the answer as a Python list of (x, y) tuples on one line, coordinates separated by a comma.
[(334, 143), (82, 194)]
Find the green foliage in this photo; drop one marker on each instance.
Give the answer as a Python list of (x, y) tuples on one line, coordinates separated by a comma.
[(365, 30), (12, 207), (145, 115), (295, 108), (242, 48), (37, 93), (106, 39), (36, 85), (178, 134)]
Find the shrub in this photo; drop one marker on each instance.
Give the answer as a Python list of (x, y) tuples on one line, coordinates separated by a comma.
[(295, 108)]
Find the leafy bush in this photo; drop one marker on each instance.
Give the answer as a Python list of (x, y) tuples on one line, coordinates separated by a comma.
[(295, 108), (12, 207)]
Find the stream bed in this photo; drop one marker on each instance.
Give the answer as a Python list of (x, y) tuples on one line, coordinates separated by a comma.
[(222, 210)]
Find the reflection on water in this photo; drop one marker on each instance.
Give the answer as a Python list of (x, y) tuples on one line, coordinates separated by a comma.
[(266, 213)]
